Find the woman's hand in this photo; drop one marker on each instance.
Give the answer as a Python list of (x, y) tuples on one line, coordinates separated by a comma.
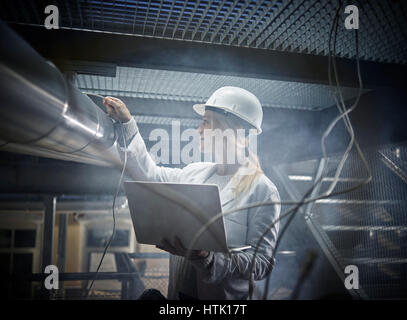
[(117, 109), (178, 249)]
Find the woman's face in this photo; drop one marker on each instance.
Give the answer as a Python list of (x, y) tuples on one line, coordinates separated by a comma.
[(205, 125), (209, 123), (222, 139)]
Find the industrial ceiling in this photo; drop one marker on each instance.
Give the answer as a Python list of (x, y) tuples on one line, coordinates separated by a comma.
[(277, 25), (283, 25)]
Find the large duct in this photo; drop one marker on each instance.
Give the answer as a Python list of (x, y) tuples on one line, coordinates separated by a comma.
[(43, 114)]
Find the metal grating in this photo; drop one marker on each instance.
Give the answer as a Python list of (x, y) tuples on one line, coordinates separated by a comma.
[(156, 120), (197, 87), (284, 25), (367, 227), (395, 158)]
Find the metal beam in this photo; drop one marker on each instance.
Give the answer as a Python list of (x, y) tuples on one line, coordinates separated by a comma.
[(48, 232), (62, 233), (57, 177), (180, 55)]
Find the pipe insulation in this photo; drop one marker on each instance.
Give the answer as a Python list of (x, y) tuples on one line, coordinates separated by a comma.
[(43, 114)]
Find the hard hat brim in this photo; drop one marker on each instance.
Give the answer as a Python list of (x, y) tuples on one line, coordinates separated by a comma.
[(200, 109)]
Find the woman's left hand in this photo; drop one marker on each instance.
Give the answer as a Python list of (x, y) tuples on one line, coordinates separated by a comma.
[(178, 249)]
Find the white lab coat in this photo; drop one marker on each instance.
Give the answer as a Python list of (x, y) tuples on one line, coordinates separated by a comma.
[(220, 276)]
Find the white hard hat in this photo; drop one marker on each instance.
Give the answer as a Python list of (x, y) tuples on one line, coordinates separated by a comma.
[(237, 101)]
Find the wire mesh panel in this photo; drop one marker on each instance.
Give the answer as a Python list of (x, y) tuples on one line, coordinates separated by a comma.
[(154, 273), (197, 87), (367, 227), (284, 25)]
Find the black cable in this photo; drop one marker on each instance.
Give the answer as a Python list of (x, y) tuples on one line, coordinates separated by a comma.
[(114, 214), (280, 236), (347, 122), (266, 291), (290, 212), (309, 261), (290, 219)]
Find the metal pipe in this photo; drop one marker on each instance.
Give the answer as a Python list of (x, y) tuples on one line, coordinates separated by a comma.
[(43, 114)]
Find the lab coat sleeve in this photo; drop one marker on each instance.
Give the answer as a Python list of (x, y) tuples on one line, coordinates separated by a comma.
[(220, 266), (140, 165)]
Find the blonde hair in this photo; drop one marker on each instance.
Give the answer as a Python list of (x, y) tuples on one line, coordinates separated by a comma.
[(242, 183)]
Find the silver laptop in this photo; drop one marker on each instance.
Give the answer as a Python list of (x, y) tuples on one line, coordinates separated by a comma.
[(165, 210)]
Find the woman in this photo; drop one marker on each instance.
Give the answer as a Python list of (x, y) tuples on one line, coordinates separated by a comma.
[(216, 275)]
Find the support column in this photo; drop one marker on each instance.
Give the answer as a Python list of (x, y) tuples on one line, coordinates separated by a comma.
[(48, 233), (63, 225)]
